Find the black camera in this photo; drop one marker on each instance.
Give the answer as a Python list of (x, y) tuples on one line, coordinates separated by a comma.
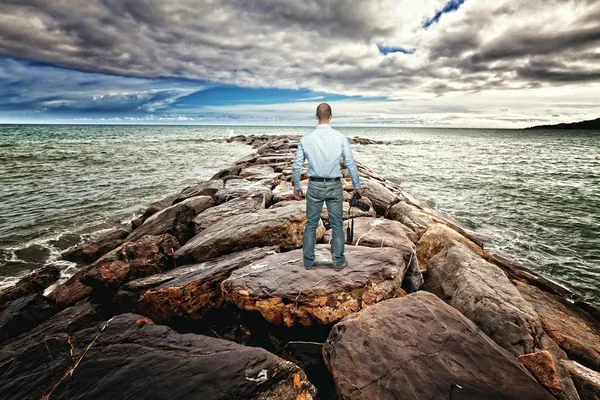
[(355, 202)]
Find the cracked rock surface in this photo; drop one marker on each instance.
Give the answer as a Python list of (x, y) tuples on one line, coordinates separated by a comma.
[(418, 347), (130, 357), (284, 292), (282, 227)]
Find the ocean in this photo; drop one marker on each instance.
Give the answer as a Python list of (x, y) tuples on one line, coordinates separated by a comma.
[(535, 195)]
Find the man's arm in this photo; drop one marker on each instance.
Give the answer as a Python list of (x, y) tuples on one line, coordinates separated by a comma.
[(350, 164), (297, 169)]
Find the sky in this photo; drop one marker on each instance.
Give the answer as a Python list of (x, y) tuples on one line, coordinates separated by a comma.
[(429, 63)]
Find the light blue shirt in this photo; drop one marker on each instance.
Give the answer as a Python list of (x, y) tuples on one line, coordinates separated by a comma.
[(322, 148)]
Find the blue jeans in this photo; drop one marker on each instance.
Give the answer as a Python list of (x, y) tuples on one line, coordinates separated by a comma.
[(332, 194)]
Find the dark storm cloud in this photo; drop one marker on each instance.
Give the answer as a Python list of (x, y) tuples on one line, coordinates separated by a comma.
[(323, 45)]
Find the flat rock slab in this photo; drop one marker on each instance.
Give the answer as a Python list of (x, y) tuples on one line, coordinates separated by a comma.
[(149, 255), (418, 347), (188, 291), (259, 172), (176, 220), (236, 206), (483, 293), (284, 292), (130, 357), (574, 330), (235, 188), (282, 227), (96, 246), (382, 232)]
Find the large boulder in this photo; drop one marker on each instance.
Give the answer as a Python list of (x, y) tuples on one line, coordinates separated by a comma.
[(418, 347), (96, 246), (259, 172), (176, 220), (188, 291), (35, 282), (483, 293), (586, 381), (436, 238), (381, 197), (573, 329), (236, 206), (284, 191), (382, 232), (410, 216), (130, 357), (132, 260), (282, 227), (284, 292), (23, 314), (153, 208), (208, 188), (235, 188)]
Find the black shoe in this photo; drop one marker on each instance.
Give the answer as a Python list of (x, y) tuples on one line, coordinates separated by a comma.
[(341, 267)]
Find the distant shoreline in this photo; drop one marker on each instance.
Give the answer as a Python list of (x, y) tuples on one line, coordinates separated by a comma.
[(591, 125)]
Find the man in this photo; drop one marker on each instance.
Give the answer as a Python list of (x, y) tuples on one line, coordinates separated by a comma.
[(322, 148)]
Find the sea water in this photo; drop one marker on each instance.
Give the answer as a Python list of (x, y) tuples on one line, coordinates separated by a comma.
[(534, 195)]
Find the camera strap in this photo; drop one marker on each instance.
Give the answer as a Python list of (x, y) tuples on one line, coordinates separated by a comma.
[(350, 228)]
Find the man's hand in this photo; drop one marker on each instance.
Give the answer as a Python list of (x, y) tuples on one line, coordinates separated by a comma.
[(359, 191), (298, 194)]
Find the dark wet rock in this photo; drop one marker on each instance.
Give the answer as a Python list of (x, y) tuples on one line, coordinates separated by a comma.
[(381, 232), (586, 381), (147, 256), (418, 347), (236, 206), (188, 291), (176, 220), (71, 291), (72, 319), (208, 188), (284, 292), (546, 371), (282, 227), (35, 282), (574, 330), (437, 237), (130, 357), (381, 197), (23, 314), (158, 205), (244, 188), (259, 172), (483, 293), (96, 246)]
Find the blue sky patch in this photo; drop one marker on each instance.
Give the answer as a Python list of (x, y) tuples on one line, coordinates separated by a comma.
[(385, 50), (450, 6)]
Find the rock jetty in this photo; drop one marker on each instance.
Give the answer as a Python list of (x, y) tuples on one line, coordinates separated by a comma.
[(205, 296)]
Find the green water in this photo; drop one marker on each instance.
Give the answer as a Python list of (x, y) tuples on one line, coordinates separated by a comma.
[(534, 194)]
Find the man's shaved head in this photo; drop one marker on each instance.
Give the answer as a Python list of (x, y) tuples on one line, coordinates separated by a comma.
[(323, 112)]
